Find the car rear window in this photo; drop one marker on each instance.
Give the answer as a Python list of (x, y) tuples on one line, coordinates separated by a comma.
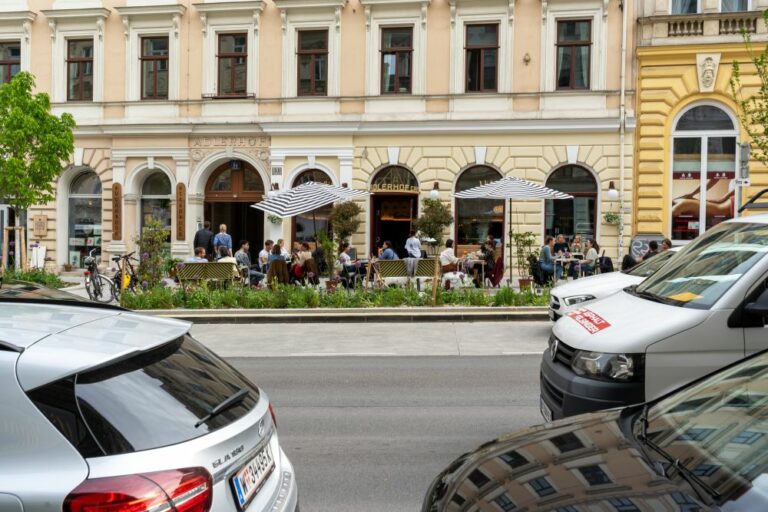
[(151, 400)]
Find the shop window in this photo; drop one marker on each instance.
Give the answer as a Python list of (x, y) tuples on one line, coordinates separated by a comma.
[(80, 70), (313, 63), (154, 68), (84, 217), (574, 42), (233, 64), (156, 200), (396, 60), (477, 218), (703, 171), (10, 61), (575, 216), (307, 225), (482, 55), (685, 6)]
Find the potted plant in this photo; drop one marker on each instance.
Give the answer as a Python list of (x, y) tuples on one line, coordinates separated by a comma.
[(328, 247), (526, 255), (434, 219), (345, 220)]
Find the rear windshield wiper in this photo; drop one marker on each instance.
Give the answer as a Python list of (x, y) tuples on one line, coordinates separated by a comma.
[(696, 483), (230, 401)]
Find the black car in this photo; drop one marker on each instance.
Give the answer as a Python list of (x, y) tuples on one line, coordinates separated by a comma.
[(703, 447)]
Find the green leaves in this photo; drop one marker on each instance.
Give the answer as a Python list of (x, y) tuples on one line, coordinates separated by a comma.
[(434, 218), (34, 144)]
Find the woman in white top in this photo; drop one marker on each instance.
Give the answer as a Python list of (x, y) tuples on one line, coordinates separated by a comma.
[(589, 263), (448, 260)]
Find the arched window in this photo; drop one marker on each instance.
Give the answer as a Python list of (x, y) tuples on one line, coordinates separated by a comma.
[(395, 179), (703, 170), (235, 181), (156, 199), (307, 225), (477, 218), (84, 217), (575, 216)]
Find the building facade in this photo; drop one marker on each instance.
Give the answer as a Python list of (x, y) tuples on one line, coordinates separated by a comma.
[(190, 111), (688, 133)]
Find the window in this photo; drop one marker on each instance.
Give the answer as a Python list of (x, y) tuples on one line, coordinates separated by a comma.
[(695, 434), (80, 70), (691, 405), (458, 499), (505, 503), (703, 171), (308, 225), (513, 459), (233, 64), (10, 61), (574, 41), (685, 502), (313, 63), (482, 50), (478, 478), (156, 199), (566, 508), (542, 487), (747, 437), (734, 5), (567, 442), (623, 505), (748, 400), (571, 216), (477, 218), (154, 68), (84, 217), (685, 6), (396, 60), (705, 469), (594, 475)]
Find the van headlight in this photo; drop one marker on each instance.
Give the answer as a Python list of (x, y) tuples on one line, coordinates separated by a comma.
[(621, 367), (578, 299)]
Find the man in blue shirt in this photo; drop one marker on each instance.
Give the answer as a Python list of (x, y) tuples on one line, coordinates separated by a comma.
[(386, 252), (222, 239)]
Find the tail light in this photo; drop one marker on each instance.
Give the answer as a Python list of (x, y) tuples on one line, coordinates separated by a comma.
[(272, 413), (179, 490), (86, 273)]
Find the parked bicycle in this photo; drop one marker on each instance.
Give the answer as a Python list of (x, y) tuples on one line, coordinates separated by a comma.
[(125, 278), (98, 286)]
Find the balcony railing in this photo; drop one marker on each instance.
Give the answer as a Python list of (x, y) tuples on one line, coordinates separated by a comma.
[(705, 24)]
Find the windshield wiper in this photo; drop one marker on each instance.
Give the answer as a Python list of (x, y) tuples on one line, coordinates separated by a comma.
[(696, 483), (230, 401), (651, 296)]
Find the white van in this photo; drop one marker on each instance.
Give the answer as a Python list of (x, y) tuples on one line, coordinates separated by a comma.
[(705, 308)]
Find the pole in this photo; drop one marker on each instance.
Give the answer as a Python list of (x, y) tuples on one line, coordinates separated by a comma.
[(509, 231), (6, 245), (622, 124)]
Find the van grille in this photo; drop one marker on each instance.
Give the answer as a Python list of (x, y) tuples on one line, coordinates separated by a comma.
[(551, 391), (564, 353)]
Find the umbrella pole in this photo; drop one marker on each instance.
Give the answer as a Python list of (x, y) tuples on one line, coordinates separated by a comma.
[(509, 231), (314, 224)]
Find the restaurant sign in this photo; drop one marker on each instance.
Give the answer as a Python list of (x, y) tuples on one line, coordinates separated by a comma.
[(395, 179)]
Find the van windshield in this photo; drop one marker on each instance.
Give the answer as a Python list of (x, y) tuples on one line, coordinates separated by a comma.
[(709, 266), (651, 265)]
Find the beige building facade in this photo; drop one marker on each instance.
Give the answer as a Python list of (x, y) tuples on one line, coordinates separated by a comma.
[(193, 110)]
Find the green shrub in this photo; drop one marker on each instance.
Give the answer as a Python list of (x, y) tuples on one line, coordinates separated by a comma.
[(37, 276)]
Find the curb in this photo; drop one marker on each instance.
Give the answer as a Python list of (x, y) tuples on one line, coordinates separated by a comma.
[(352, 315)]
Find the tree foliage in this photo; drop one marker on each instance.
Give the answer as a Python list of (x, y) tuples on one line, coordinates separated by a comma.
[(345, 220), (753, 109), (153, 247), (33, 143), (434, 218)]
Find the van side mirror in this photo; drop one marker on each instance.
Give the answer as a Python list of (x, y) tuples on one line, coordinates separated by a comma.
[(760, 306)]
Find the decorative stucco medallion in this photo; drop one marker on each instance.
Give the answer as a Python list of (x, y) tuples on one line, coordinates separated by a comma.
[(707, 66)]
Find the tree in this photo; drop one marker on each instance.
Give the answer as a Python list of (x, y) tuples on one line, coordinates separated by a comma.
[(753, 110), (434, 218), (33, 145), (345, 220)]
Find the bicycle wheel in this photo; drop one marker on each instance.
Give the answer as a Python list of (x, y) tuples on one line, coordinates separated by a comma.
[(100, 289)]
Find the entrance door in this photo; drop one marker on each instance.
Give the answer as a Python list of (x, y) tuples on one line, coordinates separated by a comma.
[(229, 194), (393, 216)]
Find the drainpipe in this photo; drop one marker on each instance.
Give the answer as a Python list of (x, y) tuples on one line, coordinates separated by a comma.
[(622, 122)]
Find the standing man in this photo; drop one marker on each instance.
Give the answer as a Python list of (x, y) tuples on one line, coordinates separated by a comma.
[(413, 245), (222, 239), (204, 239)]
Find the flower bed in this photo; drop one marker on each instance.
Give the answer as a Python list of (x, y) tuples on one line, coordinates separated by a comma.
[(292, 297), (36, 276)]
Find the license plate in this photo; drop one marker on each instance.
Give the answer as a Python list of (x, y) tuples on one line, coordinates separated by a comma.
[(249, 479), (545, 410)]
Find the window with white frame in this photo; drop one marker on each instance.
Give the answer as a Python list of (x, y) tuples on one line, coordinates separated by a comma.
[(312, 67), (396, 60), (10, 60), (154, 68)]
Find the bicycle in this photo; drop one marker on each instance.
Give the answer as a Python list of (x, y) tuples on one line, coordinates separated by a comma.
[(98, 286), (128, 281)]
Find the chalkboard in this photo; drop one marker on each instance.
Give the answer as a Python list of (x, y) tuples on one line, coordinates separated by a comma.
[(639, 244)]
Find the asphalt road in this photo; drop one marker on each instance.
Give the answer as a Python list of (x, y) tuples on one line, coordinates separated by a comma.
[(370, 433)]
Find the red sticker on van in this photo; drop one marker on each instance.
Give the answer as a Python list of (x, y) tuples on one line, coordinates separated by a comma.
[(589, 320)]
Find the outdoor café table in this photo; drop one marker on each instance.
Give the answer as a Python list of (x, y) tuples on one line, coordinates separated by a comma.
[(471, 262), (563, 261)]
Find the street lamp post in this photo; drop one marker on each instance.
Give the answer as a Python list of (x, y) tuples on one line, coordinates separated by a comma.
[(613, 195)]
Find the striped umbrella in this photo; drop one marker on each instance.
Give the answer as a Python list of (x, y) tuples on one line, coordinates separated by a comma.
[(511, 188), (306, 198)]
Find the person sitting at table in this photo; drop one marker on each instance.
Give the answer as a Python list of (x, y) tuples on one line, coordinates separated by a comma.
[(275, 254), (576, 245), (561, 246), (588, 264), (482, 268), (546, 258), (243, 257), (283, 251), (264, 255), (448, 260), (304, 253), (224, 257), (666, 244), (199, 256), (386, 252)]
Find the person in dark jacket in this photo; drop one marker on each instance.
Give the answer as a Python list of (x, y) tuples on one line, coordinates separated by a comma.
[(204, 238)]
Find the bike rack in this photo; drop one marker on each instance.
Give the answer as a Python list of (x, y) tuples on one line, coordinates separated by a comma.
[(752, 205)]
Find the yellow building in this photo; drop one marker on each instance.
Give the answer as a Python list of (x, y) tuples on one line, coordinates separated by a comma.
[(688, 132)]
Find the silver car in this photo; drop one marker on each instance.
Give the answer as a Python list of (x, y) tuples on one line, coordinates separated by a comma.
[(104, 410)]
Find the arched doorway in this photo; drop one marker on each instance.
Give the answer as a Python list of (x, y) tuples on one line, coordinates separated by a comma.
[(394, 206), (229, 193), (575, 216), (478, 218), (703, 170), (84, 217), (307, 225)]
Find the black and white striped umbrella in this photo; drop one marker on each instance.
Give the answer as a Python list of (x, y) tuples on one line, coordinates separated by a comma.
[(305, 198), (511, 188)]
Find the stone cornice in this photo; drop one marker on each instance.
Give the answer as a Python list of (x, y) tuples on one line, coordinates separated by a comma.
[(17, 16), (152, 10), (228, 7), (309, 4), (76, 14)]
